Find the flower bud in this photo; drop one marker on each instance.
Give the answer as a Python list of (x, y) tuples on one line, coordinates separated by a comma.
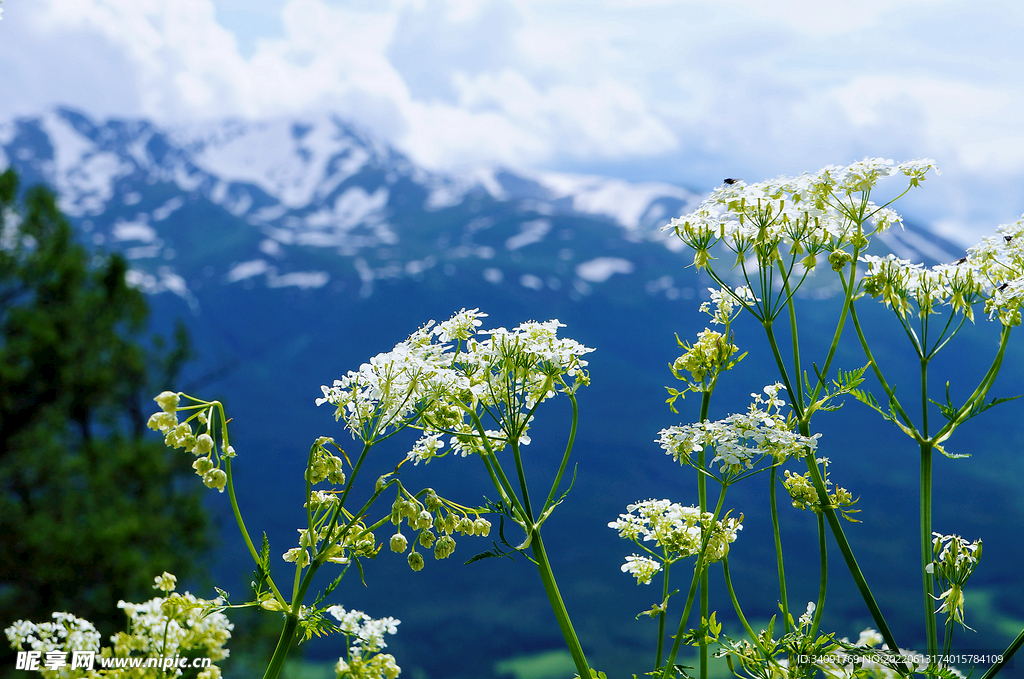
[(202, 465), (431, 501), (838, 259), (426, 539), (271, 605), (168, 401), (166, 581), (298, 556), (335, 475), (162, 422), (481, 527), (398, 543), (444, 547), (416, 561), (215, 478), (425, 519), (204, 444)]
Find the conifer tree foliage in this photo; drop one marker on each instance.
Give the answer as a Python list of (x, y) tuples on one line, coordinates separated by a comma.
[(91, 507)]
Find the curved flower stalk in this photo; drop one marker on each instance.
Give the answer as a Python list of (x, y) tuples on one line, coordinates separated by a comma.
[(165, 627)]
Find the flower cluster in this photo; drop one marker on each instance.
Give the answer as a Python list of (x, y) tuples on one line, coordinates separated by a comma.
[(900, 283), (433, 513), (364, 659), (677, 530), (203, 445), (813, 213), (992, 271), (743, 439), (444, 377), (710, 355), (728, 304), (176, 624), (954, 562), (804, 495)]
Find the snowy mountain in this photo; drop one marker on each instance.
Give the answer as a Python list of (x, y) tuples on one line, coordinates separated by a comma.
[(309, 203), (317, 203)]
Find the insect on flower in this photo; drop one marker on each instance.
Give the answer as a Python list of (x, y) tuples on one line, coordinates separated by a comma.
[(961, 261), (730, 181)]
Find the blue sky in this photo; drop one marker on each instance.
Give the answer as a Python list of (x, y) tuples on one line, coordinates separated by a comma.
[(684, 92)]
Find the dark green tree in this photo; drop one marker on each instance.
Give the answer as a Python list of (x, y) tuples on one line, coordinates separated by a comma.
[(91, 506)]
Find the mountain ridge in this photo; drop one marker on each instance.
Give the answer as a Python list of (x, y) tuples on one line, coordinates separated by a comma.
[(281, 194)]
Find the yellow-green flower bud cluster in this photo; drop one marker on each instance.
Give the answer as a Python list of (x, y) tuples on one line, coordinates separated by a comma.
[(325, 465), (706, 358), (426, 516), (203, 446), (805, 496)]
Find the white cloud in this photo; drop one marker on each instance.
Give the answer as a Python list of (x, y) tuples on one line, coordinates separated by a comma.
[(681, 91)]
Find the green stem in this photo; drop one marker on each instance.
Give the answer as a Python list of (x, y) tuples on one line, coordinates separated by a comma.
[(284, 642), (926, 547), (661, 618), (739, 611), (698, 571), (823, 584), (558, 606), (847, 551), (795, 397), (702, 495), (565, 455), (931, 630), (778, 550)]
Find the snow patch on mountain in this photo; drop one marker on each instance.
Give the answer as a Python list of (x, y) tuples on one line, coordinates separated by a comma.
[(83, 175), (600, 269), (529, 232), (294, 162), (627, 203)]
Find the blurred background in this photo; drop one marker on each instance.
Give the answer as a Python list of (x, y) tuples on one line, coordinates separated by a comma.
[(259, 196)]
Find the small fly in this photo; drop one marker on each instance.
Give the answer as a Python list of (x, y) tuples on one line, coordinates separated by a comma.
[(730, 181)]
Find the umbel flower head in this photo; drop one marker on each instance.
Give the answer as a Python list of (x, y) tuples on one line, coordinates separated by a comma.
[(363, 659), (812, 213), (445, 374), (678, 531), (741, 440)]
